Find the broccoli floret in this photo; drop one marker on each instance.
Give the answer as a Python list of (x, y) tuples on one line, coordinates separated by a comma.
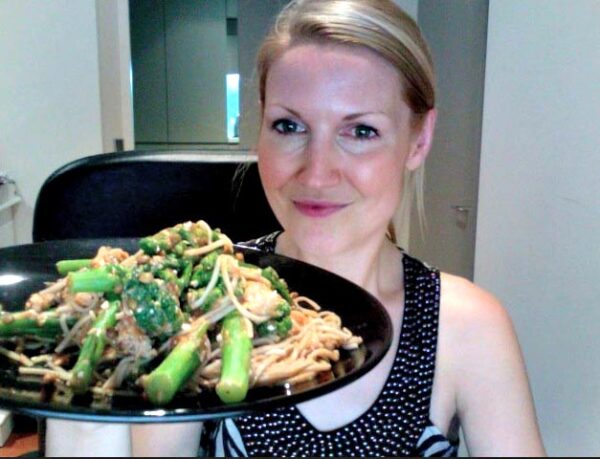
[(278, 283), (216, 234), (177, 239), (284, 325), (280, 327), (187, 268), (155, 309), (163, 241), (153, 245), (167, 274), (186, 235), (283, 309), (215, 294), (203, 271)]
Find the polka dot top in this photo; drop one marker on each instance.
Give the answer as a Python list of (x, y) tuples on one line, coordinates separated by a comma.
[(397, 424)]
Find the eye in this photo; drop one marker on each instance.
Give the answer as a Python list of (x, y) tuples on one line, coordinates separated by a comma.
[(364, 132), (286, 126)]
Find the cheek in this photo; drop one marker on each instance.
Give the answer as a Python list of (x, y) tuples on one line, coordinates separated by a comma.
[(274, 170), (381, 180)]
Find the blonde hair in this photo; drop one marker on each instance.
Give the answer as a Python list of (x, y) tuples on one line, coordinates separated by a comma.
[(378, 25)]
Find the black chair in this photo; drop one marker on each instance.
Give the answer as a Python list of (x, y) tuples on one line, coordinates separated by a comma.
[(137, 193)]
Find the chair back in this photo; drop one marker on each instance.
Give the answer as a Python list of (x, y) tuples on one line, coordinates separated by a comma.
[(137, 193)]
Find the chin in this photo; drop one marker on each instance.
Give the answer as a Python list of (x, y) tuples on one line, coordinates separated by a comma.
[(319, 241)]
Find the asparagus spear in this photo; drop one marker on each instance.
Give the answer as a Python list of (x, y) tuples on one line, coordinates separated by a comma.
[(165, 381), (94, 280), (64, 267), (236, 351), (93, 347), (28, 323)]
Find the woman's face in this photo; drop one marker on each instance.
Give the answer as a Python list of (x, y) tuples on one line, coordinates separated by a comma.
[(335, 139)]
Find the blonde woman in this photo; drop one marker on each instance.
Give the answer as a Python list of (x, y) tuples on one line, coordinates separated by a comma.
[(348, 114)]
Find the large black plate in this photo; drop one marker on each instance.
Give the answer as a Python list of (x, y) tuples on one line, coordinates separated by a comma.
[(25, 268)]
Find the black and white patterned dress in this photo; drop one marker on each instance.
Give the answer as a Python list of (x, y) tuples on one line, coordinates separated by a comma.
[(397, 424)]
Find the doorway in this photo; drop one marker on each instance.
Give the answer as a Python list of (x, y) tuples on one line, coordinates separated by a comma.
[(457, 34)]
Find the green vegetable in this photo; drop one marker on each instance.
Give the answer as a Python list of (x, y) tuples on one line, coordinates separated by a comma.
[(280, 327), (187, 236), (177, 368), (203, 271), (163, 241), (176, 239), (216, 234), (93, 348), (155, 309), (215, 294), (186, 276), (278, 283), (283, 309), (94, 280), (236, 352), (64, 267), (28, 323)]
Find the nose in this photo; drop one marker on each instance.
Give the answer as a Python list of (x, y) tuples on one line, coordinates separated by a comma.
[(321, 166)]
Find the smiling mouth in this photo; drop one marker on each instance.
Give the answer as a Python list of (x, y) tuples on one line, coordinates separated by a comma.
[(318, 209)]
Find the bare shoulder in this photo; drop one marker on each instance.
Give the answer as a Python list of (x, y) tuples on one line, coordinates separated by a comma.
[(477, 340), (484, 371), (470, 311)]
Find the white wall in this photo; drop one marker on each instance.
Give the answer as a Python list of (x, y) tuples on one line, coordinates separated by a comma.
[(538, 229), (410, 6), (49, 93), (114, 54)]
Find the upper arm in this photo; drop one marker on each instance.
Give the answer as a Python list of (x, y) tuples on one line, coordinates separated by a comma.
[(492, 394)]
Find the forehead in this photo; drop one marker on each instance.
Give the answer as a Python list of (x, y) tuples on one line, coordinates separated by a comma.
[(316, 72)]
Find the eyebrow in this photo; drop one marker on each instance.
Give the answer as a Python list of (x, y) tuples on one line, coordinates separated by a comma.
[(358, 115), (350, 117), (287, 109)]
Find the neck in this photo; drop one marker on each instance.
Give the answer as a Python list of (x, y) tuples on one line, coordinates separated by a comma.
[(373, 265)]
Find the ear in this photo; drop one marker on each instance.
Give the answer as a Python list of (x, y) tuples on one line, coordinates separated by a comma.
[(422, 140)]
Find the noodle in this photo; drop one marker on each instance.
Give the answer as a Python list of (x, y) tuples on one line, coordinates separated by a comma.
[(298, 358), (211, 284), (69, 336), (17, 357)]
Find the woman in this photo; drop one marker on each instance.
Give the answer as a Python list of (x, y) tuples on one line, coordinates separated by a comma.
[(348, 114)]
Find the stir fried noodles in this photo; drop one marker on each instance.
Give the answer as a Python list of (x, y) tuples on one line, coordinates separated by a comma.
[(185, 313)]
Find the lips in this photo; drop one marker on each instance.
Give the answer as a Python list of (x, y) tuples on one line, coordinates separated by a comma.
[(318, 209)]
